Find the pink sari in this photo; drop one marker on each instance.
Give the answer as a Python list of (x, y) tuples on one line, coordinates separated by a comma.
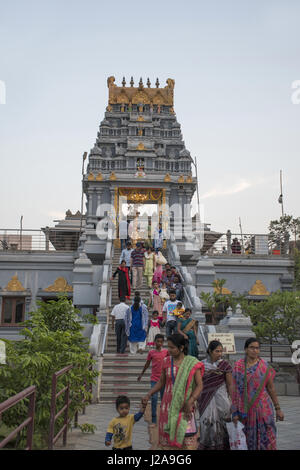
[(252, 403), (157, 276)]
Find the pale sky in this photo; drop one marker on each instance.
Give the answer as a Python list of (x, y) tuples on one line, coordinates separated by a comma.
[(233, 62)]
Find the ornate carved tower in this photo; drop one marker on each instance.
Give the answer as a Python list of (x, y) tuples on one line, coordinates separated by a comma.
[(139, 151)]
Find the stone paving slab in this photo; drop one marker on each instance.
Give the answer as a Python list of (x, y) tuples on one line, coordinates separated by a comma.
[(288, 431)]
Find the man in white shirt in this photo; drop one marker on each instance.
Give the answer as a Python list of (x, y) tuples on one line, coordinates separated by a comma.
[(118, 316), (168, 308)]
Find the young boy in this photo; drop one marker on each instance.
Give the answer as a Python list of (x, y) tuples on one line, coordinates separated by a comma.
[(121, 427), (156, 356), (179, 310)]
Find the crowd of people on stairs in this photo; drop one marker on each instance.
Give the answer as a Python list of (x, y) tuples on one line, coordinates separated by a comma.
[(199, 399)]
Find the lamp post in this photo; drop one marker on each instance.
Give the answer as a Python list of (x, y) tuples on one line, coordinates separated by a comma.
[(280, 199), (21, 228), (198, 199)]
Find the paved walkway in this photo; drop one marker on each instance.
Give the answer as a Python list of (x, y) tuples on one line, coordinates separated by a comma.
[(288, 431)]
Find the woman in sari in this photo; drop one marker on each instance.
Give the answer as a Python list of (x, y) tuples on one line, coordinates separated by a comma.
[(149, 265), (123, 281), (214, 403), (253, 394), (159, 260), (136, 325), (181, 378), (187, 327)]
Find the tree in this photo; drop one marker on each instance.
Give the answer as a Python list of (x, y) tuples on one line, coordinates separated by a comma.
[(53, 340), (297, 269), (277, 318), (286, 225)]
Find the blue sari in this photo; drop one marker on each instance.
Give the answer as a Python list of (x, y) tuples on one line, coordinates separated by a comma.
[(193, 348)]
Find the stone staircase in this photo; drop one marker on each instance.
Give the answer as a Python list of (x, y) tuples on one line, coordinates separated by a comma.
[(120, 372)]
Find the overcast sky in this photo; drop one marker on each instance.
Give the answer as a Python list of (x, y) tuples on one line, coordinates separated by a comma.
[(233, 62)]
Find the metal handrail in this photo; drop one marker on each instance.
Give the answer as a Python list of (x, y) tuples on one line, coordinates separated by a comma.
[(83, 400), (29, 422), (187, 296), (65, 409), (104, 339)]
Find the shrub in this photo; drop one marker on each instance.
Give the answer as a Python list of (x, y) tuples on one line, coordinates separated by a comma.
[(53, 340)]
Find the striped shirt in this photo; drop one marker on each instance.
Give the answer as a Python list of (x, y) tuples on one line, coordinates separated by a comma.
[(137, 258)]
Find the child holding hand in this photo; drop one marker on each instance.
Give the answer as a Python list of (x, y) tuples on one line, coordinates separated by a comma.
[(121, 427)]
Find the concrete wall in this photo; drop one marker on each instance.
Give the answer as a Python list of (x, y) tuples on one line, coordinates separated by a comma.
[(37, 271), (241, 273)]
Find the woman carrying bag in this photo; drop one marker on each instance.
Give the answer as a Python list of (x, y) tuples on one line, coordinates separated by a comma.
[(160, 260), (253, 394), (214, 403)]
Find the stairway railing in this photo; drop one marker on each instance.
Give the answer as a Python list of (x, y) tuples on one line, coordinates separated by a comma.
[(191, 299), (105, 289)]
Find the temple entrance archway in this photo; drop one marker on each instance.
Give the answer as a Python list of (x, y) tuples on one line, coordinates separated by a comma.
[(140, 206)]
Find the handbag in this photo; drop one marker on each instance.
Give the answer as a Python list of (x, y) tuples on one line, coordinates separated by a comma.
[(237, 438), (160, 259)]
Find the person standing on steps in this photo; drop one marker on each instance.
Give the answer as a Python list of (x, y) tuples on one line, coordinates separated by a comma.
[(156, 357), (187, 327), (155, 301), (137, 264), (118, 323), (136, 325), (123, 282), (168, 309), (158, 238), (149, 265), (123, 232), (126, 256), (154, 329)]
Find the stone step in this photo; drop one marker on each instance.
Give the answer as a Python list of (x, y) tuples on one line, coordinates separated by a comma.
[(125, 385), (137, 363), (113, 349), (110, 397), (128, 374)]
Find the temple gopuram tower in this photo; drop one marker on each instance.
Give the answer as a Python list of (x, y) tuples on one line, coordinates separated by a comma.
[(139, 154)]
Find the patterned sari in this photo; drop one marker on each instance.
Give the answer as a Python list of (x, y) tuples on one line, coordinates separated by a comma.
[(214, 406), (174, 429), (253, 405), (187, 327)]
